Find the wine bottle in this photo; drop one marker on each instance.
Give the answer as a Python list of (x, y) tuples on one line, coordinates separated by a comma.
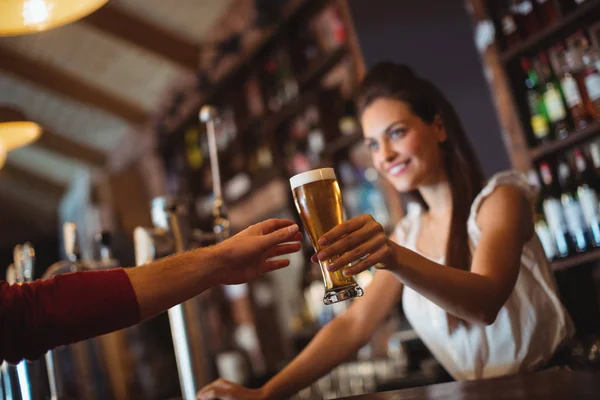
[(553, 211), (553, 99), (542, 229), (587, 192), (572, 208), (538, 117), (566, 66)]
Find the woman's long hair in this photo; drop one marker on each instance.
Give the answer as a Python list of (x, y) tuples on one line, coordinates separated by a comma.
[(396, 81)]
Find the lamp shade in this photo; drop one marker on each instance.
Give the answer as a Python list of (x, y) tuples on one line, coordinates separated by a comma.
[(19, 17), (2, 155), (18, 134)]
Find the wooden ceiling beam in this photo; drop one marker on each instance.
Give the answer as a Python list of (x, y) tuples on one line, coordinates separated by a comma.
[(59, 81), (50, 188), (126, 26), (57, 143), (69, 148)]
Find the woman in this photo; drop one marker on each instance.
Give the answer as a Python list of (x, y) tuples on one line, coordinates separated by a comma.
[(473, 279), (36, 317)]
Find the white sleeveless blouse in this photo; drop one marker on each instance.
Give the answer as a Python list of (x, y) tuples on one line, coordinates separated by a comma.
[(530, 326)]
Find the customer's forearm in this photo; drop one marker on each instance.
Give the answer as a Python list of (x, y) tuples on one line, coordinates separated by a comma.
[(172, 280)]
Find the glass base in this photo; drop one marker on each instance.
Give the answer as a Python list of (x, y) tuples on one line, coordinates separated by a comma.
[(341, 294)]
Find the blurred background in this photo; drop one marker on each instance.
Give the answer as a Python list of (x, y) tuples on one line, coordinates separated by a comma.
[(117, 95)]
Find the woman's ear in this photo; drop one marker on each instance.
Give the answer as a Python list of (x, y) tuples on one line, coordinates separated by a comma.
[(440, 129)]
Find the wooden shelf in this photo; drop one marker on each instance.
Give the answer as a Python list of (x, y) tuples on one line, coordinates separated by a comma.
[(559, 145), (574, 261), (548, 35), (322, 67)]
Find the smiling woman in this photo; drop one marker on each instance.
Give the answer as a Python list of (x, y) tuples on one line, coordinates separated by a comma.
[(473, 279)]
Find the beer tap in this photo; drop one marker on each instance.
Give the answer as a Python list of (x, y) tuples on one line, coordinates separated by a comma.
[(23, 261), (221, 225), (172, 233), (11, 278)]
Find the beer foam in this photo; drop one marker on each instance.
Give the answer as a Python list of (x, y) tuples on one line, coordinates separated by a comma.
[(312, 176)]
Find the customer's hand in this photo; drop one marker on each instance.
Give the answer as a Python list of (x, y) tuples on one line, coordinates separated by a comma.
[(222, 389), (247, 255)]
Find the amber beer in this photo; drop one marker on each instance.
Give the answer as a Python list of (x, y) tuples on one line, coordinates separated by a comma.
[(318, 200)]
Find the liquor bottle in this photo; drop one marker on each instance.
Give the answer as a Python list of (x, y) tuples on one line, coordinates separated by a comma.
[(527, 21), (591, 59), (542, 229), (553, 99), (508, 26), (553, 211), (572, 208), (538, 117), (594, 149), (567, 65), (577, 47), (587, 192), (547, 11)]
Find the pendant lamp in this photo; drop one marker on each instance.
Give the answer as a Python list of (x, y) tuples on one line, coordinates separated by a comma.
[(18, 134), (18, 17)]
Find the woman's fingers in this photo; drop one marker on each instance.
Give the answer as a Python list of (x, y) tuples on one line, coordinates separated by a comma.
[(343, 229), (351, 241), (215, 390), (369, 247), (367, 263)]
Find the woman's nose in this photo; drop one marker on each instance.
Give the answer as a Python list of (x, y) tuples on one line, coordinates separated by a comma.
[(387, 153)]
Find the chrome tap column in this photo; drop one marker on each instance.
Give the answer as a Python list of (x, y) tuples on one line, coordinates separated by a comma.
[(172, 233), (23, 258)]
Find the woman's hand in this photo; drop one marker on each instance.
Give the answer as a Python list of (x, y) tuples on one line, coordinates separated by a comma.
[(360, 238), (224, 390), (248, 254)]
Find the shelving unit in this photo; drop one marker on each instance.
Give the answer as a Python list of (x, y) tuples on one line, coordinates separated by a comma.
[(558, 146), (575, 274), (588, 11)]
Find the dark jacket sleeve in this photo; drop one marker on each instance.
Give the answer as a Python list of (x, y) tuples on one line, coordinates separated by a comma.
[(38, 316)]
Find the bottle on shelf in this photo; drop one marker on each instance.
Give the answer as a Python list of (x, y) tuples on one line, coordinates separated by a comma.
[(541, 227), (572, 208), (591, 77), (526, 18), (587, 192), (538, 116), (508, 25), (553, 98), (547, 12), (553, 211), (567, 65)]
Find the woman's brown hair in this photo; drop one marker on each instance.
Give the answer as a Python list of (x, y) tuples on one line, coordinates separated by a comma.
[(397, 81)]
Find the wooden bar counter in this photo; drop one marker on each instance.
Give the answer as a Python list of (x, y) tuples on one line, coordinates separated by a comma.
[(552, 384)]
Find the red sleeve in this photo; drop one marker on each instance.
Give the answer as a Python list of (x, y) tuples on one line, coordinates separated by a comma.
[(41, 315)]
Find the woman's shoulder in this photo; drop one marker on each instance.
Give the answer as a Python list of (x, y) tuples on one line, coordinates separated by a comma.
[(502, 188), (511, 178)]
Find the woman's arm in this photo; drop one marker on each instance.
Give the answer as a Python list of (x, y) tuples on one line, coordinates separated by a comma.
[(337, 341), (474, 294), (38, 316)]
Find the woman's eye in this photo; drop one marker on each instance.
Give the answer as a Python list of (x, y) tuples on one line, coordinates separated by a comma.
[(397, 133), (372, 146)]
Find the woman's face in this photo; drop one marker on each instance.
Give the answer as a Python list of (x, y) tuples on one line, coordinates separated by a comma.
[(405, 149)]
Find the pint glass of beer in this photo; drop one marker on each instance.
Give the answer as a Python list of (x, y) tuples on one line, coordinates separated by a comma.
[(319, 202)]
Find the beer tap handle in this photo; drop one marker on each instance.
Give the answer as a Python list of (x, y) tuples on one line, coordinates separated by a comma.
[(28, 261), (18, 263), (70, 240), (143, 244), (221, 225)]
